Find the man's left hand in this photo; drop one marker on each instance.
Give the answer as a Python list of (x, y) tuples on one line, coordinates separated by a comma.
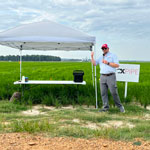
[(105, 61)]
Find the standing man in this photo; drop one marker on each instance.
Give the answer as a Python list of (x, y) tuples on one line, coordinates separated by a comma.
[(108, 63)]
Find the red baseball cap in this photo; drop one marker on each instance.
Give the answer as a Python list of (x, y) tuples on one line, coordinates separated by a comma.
[(104, 46)]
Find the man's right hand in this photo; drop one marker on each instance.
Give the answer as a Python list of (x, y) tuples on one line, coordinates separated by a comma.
[(92, 54), (92, 58)]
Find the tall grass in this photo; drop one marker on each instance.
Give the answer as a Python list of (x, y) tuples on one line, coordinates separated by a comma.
[(67, 94)]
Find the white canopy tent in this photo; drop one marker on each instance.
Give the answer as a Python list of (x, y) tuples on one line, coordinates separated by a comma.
[(47, 35)]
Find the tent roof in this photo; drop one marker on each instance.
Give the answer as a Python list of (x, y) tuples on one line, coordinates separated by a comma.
[(46, 35)]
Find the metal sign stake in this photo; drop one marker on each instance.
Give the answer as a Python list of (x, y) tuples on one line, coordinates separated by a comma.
[(125, 93)]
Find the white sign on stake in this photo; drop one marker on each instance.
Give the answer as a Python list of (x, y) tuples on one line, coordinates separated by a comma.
[(128, 73)]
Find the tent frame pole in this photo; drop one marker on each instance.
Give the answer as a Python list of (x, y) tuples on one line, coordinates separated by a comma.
[(92, 74), (20, 61), (95, 77)]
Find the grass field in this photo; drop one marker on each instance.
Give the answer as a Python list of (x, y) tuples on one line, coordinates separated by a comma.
[(78, 121), (67, 94)]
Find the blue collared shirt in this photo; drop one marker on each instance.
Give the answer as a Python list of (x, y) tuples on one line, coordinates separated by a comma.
[(104, 68)]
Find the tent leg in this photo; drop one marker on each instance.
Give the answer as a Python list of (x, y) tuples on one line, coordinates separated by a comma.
[(95, 78), (20, 61), (92, 74)]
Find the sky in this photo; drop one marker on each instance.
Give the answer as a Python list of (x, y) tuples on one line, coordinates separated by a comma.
[(123, 24)]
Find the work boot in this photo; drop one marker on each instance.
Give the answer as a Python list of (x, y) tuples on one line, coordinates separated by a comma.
[(103, 110), (122, 109)]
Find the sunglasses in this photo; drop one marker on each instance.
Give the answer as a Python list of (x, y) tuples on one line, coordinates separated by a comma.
[(104, 48)]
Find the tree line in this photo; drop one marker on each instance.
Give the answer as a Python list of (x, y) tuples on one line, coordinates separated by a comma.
[(30, 58)]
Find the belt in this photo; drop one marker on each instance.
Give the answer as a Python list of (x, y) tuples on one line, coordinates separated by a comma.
[(108, 74)]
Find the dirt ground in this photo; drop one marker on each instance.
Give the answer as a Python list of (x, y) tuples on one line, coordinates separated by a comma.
[(24, 141)]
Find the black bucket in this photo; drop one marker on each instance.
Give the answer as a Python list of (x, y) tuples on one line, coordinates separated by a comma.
[(78, 75)]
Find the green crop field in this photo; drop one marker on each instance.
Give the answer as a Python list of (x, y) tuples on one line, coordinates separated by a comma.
[(67, 94)]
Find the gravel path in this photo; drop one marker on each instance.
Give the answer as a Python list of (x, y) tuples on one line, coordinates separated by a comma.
[(24, 141)]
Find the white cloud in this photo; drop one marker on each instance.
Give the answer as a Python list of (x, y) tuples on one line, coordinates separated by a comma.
[(94, 13), (108, 20), (71, 2)]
